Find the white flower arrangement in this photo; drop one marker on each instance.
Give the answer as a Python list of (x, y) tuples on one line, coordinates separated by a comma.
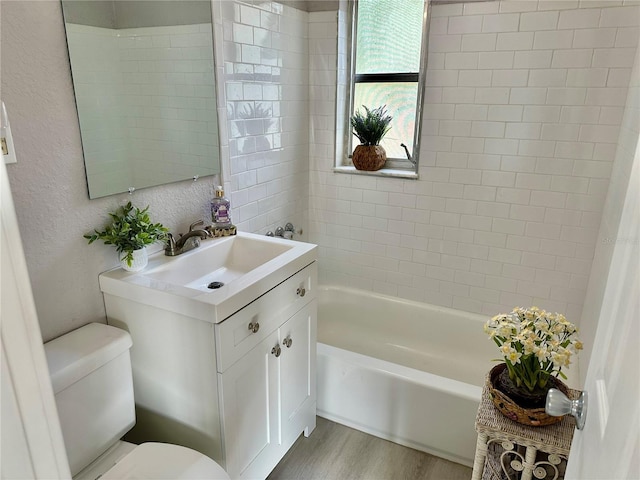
[(535, 344)]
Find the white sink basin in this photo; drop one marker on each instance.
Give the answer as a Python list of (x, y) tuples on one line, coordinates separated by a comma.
[(215, 280), (225, 260)]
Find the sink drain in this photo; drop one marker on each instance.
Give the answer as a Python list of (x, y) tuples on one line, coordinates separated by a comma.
[(214, 285)]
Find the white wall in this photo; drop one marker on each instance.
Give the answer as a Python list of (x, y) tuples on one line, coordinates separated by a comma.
[(48, 182), (522, 113)]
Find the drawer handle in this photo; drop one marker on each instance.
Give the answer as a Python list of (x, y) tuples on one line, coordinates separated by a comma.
[(301, 291), (276, 350), (254, 327), (288, 342)]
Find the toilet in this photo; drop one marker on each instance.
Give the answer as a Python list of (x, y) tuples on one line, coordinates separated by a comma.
[(90, 371)]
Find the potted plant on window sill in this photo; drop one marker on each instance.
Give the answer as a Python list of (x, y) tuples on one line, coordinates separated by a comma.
[(535, 346), (370, 129), (130, 231)]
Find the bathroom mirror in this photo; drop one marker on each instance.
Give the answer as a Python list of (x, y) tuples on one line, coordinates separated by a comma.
[(144, 81)]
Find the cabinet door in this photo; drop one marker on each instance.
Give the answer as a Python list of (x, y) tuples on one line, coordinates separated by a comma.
[(249, 392), (298, 373)]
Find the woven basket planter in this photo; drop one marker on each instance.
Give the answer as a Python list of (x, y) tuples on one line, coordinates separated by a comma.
[(369, 157), (533, 417)]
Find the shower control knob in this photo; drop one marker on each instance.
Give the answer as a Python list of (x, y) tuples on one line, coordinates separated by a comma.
[(276, 350), (558, 405), (254, 327), (301, 292), (288, 342), (289, 230)]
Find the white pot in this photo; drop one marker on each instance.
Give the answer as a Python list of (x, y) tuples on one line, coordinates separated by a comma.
[(140, 260)]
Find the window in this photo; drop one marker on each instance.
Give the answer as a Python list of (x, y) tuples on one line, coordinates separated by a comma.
[(387, 68)]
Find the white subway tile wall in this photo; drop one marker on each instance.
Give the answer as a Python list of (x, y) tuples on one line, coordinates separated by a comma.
[(523, 106), (266, 94), (148, 103)]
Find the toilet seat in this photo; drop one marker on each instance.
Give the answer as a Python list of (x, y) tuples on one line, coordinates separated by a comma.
[(165, 461)]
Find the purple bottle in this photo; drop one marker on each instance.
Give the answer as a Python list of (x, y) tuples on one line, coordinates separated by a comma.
[(220, 209)]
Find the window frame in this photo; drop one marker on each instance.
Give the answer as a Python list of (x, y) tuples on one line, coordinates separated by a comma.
[(393, 166)]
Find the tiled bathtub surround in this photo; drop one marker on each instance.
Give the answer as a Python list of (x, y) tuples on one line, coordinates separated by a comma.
[(523, 107), (155, 93), (266, 88)]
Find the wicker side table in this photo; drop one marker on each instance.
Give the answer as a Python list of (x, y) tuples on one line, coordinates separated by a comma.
[(506, 450)]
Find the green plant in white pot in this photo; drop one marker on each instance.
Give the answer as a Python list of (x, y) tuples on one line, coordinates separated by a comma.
[(370, 128), (130, 231)]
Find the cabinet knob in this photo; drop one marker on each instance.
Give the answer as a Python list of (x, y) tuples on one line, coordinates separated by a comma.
[(276, 350), (288, 341), (254, 327), (301, 292)]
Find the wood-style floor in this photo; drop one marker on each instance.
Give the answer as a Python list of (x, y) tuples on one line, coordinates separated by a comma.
[(336, 452)]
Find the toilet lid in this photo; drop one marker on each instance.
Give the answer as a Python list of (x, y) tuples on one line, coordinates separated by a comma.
[(165, 461)]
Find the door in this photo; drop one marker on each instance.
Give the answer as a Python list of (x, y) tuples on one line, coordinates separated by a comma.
[(609, 445), (249, 392), (31, 437), (297, 371)]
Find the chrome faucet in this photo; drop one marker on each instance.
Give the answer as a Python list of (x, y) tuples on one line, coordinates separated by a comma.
[(186, 242)]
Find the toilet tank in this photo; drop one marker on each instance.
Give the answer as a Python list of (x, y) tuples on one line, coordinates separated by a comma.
[(90, 371)]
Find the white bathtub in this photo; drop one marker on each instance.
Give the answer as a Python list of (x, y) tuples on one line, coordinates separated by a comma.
[(400, 370)]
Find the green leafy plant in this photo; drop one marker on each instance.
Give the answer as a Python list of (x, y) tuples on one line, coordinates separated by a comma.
[(130, 229), (534, 344), (371, 127)]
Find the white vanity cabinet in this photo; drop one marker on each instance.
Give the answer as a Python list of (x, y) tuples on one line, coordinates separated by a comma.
[(268, 396), (240, 391)]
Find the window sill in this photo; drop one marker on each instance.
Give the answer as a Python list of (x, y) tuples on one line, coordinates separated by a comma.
[(383, 172)]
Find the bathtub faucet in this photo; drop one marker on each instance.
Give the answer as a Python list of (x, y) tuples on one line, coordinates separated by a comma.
[(286, 232)]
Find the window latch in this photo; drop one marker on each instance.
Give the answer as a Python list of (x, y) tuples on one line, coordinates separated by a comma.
[(408, 154)]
